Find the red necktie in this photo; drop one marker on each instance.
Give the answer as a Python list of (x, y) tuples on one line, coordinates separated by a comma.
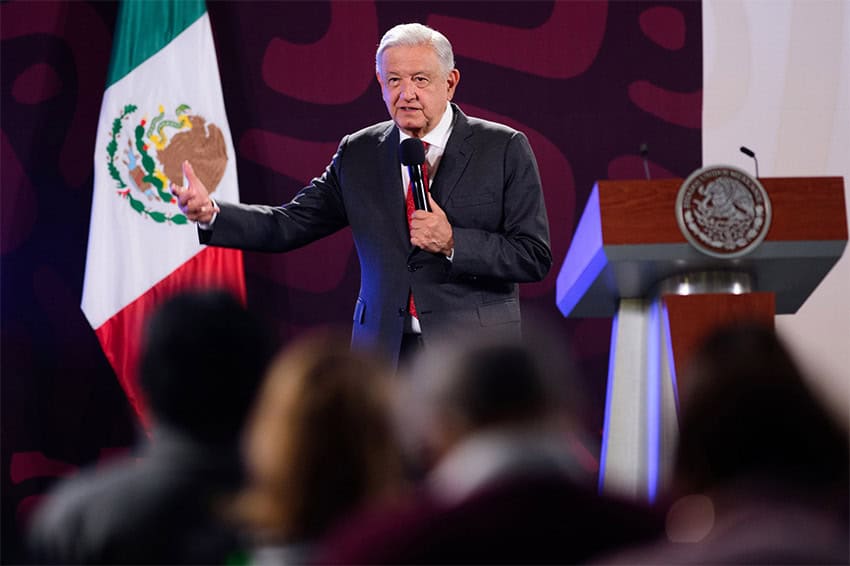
[(411, 308)]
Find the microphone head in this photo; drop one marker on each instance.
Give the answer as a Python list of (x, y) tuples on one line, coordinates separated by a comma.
[(644, 149), (411, 152), (747, 151)]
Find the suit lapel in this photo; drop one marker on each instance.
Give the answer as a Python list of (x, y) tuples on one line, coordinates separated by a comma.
[(455, 158), (389, 170)]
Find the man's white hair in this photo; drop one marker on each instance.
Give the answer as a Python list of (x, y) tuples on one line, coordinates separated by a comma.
[(417, 34)]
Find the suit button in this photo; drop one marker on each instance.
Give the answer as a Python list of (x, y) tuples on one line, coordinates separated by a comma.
[(402, 311), (411, 268)]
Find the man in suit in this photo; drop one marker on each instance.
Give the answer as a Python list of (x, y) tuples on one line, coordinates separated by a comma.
[(462, 261)]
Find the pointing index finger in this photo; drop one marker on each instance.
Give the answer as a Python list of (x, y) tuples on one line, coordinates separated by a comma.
[(188, 172)]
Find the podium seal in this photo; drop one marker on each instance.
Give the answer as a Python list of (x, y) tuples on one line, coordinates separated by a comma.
[(722, 211)]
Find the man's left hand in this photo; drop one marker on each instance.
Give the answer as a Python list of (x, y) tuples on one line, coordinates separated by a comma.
[(431, 231)]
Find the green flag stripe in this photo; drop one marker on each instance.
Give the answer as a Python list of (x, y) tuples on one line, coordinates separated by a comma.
[(144, 27)]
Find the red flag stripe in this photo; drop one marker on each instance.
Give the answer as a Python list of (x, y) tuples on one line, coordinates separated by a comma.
[(121, 335)]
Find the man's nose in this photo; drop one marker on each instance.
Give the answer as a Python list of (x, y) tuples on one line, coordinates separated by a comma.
[(408, 90)]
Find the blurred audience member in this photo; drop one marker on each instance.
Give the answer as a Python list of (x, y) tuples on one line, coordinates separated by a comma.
[(201, 365), (320, 444), (506, 486), (762, 470)]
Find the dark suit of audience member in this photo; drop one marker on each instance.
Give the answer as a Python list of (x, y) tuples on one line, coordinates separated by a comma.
[(506, 486), (160, 506), (762, 469)]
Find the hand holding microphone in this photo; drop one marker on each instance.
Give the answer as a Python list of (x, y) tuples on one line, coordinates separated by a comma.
[(429, 226)]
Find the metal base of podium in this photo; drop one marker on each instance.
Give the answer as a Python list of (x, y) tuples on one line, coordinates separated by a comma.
[(640, 413)]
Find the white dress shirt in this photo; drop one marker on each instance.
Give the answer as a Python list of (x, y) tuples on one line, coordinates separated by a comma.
[(436, 140)]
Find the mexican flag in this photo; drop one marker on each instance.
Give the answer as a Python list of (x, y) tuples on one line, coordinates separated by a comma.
[(163, 104)]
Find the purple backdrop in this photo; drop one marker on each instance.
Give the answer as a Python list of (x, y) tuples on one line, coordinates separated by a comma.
[(588, 82)]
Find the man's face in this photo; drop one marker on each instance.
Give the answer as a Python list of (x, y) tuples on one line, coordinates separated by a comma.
[(414, 88)]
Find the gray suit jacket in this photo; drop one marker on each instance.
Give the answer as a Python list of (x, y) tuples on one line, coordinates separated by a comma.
[(487, 183), (160, 509)]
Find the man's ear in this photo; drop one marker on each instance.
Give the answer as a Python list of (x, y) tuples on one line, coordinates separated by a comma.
[(452, 80)]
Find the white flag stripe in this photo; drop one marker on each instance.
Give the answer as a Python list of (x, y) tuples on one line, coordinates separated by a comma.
[(128, 252)]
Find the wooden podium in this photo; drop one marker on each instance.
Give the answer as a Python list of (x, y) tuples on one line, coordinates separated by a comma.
[(629, 259)]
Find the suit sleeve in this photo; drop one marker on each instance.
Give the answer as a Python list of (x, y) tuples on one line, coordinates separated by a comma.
[(316, 211), (520, 252)]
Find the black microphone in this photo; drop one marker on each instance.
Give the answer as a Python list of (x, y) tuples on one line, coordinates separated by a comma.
[(644, 151), (411, 153), (750, 153)]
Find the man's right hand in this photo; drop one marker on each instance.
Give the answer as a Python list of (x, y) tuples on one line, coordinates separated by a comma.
[(193, 199)]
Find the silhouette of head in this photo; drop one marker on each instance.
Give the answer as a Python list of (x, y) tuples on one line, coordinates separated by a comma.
[(749, 413), (459, 389), (202, 361)]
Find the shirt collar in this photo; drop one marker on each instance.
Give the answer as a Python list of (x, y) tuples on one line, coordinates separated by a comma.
[(439, 136), (493, 455)]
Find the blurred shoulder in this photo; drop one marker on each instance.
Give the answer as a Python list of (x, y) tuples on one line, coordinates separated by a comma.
[(75, 506)]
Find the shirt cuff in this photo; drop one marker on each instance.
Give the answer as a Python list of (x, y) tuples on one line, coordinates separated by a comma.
[(209, 225)]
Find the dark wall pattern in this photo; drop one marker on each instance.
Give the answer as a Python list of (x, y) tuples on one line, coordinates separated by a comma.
[(588, 82)]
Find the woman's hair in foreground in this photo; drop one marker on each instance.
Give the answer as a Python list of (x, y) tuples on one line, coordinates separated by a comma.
[(321, 441)]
